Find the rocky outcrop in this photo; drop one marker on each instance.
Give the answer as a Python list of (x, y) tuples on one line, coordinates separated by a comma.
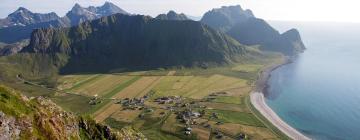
[(40, 118)]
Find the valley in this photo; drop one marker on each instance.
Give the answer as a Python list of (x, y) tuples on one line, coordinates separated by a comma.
[(154, 101)]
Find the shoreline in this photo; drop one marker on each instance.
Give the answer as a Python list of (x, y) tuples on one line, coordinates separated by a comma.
[(257, 99)]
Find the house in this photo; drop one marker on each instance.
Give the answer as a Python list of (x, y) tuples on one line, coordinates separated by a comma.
[(215, 115), (196, 114), (188, 129)]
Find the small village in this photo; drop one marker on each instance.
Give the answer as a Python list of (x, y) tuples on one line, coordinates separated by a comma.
[(188, 112)]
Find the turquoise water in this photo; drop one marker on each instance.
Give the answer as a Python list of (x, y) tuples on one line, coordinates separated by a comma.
[(319, 94)]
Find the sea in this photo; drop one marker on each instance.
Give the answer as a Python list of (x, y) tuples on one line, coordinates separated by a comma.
[(319, 93)]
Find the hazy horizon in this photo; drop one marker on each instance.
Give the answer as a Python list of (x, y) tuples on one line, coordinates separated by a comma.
[(283, 10)]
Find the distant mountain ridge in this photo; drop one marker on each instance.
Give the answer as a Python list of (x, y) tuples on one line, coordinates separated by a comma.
[(24, 17), (19, 24), (172, 15), (122, 41), (247, 29), (79, 14)]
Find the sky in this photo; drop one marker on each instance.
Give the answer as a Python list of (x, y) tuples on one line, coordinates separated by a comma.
[(286, 10)]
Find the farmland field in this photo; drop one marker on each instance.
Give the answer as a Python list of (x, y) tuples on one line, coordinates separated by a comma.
[(197, 87), (220, 91)]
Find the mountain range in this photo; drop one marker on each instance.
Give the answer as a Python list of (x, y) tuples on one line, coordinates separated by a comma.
[(24, 17), (243, 26), (80, 14), (19, 24), (124, 41)]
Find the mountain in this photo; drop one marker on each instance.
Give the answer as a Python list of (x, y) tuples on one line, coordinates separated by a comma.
[(249, 30), (171, 15), (108, 9), (225, 17), (123, 41), (19, 25), (79, 14), (39, 118), (24, 17)]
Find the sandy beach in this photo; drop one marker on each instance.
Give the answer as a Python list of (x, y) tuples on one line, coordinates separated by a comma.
[(257, 99)]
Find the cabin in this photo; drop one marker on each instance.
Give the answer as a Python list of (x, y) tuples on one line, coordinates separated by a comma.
[(196, 114), (215, 115), (188, 129)]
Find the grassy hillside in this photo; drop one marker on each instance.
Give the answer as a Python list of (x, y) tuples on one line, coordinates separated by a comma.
[(42, 68), (39, 118)]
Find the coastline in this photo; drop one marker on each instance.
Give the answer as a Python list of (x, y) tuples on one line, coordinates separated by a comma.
[(257, 99)]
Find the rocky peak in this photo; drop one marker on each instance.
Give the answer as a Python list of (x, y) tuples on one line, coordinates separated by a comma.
[(77, 9), (22, 10), (172, 15), (227, 16), (80, 14), (109, 8), (76, 6), (109, 5), (23, 17), (232, 8)]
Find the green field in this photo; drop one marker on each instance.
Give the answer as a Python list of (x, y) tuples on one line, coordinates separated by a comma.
[(236, 117), (74, 92), (192, 84), (229, 100)]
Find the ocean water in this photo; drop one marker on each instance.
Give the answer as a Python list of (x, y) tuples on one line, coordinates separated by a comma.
[(319, 94)]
